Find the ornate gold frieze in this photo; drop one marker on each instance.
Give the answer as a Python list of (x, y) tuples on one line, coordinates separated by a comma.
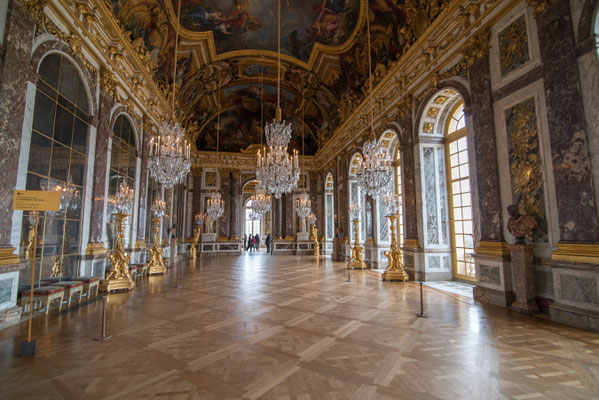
[(539, 5), (477, 47), (513, 46)]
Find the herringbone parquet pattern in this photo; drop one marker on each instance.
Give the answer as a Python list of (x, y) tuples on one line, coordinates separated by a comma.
[(288, 327)]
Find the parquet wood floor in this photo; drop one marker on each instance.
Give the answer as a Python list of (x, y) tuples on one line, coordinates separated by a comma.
[(285, 327)]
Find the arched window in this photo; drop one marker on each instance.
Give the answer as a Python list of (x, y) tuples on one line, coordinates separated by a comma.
[(329, 207), (355, 196), (252, 226), (399, 192), (58, 159), (123, 163), (460, 200)]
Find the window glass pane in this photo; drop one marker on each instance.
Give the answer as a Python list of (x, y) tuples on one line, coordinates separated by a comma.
[(53, 236), (60, 162), (39, 154), (34, 182), (82, 97), (77, 168), (462, 144), (464, 171), (63, 130), (80, 135), (43, 116), (49, 69), (71, 237), (68, 80), (75, 204)]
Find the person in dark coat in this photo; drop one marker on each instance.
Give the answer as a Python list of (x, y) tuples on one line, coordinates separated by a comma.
[(245, 242), (268, 244), (257, 242)]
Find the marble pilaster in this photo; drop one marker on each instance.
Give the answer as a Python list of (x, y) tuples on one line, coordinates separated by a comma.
[(143, 188), (485, 173), (234, 226), (577, 214), (104, 133), (15, 71)]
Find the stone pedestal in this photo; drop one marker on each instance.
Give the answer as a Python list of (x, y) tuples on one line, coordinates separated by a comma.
[(303, 236), (523, 277), (208, 237)]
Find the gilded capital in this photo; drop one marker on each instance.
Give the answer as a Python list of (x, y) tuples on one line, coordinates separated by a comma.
[(539, 5), (476, 47), (108, 81)]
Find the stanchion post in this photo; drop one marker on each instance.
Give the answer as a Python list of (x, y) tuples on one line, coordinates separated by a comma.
[(348, 273), (28, 347), (422, 314), (103, 335)]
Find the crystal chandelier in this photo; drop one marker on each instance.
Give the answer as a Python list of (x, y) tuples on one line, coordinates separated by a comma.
[(122, 201), (354, 211), (254, 215), (169, 159), (392, 203), (158, 209), (277, 171), (216, 206), (260, 201), (374, 173)]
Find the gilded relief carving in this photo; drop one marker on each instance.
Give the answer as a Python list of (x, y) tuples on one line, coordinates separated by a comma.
[(513, 46), (525, 165)]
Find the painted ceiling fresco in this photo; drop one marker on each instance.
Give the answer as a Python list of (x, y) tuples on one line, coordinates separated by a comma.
[(252, 24), (226, 53)]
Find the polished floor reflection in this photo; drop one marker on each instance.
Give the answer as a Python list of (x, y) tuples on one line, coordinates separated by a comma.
[(286, 327)]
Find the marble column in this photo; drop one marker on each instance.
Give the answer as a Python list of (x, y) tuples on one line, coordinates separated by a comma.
[(15, 71), (197, 192), (409, 179), (485, 171), (234, 228), (143, 191), (104, 132), (524, 278), (577, 215), (223, 222), (289, 215)]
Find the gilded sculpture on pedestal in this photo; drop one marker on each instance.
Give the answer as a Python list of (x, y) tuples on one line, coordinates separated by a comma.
[(119, 277), (395, 271), (156, 265), (56, 267)]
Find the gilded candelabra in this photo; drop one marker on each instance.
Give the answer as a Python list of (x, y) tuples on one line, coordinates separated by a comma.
[(119, 277), (156, 265), (356, 262), (314, 235), (395, 271)]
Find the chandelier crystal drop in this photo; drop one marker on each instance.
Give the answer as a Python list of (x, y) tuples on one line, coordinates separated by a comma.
[(303, 205), (374, 172), (169, 160), (216, 206), (261, 200)]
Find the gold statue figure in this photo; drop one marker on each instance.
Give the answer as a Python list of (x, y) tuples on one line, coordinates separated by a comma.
[(196, 238), (314, 238), (30, 241), (156, 265), (356, 262), (57, 267), (119, 277)]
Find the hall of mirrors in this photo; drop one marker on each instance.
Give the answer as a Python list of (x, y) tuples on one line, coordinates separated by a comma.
[(382, 141)]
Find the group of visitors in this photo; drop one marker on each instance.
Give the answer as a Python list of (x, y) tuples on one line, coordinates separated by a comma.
[(252, 243)]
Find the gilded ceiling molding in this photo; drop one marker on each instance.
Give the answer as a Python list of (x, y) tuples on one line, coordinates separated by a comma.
[(539, 5), (477, 47), (108, 82)]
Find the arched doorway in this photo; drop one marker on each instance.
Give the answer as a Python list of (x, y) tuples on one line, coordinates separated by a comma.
[(258, 226)]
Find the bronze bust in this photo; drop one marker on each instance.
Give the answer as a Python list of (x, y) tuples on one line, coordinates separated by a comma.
[(519, 225)]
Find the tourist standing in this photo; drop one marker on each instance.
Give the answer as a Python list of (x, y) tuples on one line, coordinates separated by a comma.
[(268, 244)]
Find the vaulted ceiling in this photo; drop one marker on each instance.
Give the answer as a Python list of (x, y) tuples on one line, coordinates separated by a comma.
[(227, 53)]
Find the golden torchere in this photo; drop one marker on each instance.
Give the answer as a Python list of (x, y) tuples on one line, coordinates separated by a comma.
[(356, 262), (314, 238), (119, 277), (395, 271), (156, 265), (197, 232)]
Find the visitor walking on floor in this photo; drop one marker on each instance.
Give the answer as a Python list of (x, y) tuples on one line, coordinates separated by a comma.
[(268, 244), (257, 242)]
